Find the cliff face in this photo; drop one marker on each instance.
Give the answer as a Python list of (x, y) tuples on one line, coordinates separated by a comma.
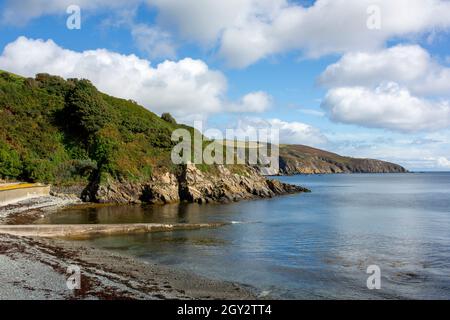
[(299, 159), (190, 185)]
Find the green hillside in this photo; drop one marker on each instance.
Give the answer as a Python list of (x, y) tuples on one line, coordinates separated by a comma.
[(65, 132), (300, 159)]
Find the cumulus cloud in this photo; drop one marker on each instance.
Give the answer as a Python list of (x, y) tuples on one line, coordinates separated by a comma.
[(408, 65), (187, 88), (258, 101), (246, 31), (400, 88), (387, 106), (249, 30), (289, 132)]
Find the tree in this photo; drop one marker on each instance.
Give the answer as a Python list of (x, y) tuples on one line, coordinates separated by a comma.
[(87, 112)]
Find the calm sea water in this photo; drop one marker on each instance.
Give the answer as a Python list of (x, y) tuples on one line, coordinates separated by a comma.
[(311, 246)]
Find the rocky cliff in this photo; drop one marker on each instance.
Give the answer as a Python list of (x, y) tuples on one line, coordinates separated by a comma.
[(190, 185), (299, 159)]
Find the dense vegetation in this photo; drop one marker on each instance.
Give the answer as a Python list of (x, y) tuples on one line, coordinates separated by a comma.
[(66, 131)]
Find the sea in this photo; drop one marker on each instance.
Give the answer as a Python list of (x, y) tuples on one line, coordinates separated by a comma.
[(355, 236)]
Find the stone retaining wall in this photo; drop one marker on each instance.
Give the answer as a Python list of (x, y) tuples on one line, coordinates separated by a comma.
[(19, 193)]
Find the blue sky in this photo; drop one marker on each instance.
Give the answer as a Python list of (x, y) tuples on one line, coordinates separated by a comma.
[(319, 71)]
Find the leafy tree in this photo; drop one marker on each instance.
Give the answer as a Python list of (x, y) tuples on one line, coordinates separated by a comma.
[(87, 112), (104, 148)]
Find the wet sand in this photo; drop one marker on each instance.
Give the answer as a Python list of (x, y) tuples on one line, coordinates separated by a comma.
[(36, 268)]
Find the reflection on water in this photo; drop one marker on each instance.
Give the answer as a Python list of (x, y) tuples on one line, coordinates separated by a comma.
[(314, 245), (172, 213)]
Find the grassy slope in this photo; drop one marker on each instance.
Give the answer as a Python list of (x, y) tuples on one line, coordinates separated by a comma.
[(67, 132), (314, 160), (305, 152), (60, 131)]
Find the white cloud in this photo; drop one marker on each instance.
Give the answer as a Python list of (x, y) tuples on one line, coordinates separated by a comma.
[(400, 88), (443, 162), (153, 41), (388, 106), (253, 102), (289, 132), (249, 30), (187, 88), (246, 31), (410, 66), (437, 163), (203, 20)]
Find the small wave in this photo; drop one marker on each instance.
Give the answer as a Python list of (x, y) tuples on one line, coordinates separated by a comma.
[(244, 222), (264, 294)]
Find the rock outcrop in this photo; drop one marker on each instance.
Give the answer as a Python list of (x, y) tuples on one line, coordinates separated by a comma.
[(190, 185)]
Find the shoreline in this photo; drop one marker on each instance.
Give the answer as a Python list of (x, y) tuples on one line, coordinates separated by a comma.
[(34, 261), (28, 210), (36, 268), (89, 231)]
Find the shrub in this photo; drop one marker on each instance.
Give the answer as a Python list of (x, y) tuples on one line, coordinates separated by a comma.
[(73, 170), (10, 163), (161, 138), (39, 170), (52, 84), (168, 118)]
